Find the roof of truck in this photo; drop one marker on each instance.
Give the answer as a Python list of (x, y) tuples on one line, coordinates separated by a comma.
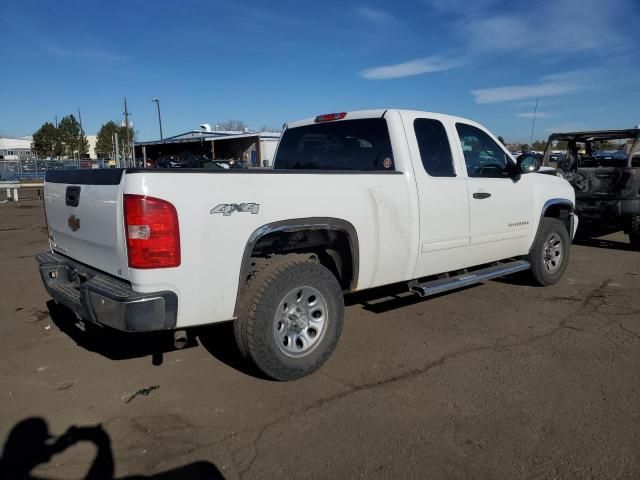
[(377, 113)]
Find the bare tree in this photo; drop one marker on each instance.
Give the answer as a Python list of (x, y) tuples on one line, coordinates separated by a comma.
[(238, 125)]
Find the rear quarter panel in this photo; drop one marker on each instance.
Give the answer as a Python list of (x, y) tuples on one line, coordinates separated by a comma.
[(381, 207)]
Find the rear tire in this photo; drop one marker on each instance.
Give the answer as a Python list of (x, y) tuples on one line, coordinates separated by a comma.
[(549, 254), (291, 319)]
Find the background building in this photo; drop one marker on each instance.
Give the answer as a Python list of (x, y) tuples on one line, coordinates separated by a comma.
[(91, 139), (15, 148)]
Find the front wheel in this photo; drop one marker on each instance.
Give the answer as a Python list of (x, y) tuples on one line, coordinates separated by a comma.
[(291, 319), (549, 254)]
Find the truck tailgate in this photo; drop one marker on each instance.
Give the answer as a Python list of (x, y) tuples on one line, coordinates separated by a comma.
[(84, 217)]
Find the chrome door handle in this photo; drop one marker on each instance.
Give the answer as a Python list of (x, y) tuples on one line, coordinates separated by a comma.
[(481, 195)]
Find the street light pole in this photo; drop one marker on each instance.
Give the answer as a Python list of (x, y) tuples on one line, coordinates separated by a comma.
[(157, 101)]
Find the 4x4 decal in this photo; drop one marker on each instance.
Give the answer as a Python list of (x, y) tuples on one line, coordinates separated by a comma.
[(227, 209)]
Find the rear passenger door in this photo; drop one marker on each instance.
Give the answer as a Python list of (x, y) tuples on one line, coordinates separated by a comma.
[(442, 195)]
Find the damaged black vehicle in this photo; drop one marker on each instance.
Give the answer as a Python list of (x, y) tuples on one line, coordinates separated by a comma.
[(604, 169)]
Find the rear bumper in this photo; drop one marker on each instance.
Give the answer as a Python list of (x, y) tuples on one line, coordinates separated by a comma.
[(104, 300)]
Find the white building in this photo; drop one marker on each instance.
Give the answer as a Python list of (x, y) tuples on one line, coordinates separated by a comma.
[(92, 139), (15, 148)]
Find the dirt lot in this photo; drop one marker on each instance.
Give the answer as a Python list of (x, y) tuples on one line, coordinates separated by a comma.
[(501, 380)]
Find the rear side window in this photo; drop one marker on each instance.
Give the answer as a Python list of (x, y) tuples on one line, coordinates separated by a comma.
[(435, 150), (346, 145)]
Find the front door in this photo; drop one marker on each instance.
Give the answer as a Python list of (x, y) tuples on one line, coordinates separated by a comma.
[(500, 204)]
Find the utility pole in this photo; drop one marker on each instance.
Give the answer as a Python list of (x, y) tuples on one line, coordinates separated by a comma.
[(80, 138), (115, 136), (126, 130), (56, 117), (157, 102), (533, 124)]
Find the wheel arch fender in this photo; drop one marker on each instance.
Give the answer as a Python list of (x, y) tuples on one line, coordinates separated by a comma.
[(560, 208), (297, 225)]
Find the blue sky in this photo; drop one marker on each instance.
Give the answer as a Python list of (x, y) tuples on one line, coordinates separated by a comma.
[(271, 62)]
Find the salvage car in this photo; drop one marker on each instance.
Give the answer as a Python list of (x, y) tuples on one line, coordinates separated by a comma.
[(355, 200), (604, 169)]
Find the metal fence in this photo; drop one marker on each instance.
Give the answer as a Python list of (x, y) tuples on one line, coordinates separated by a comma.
[(35, 169)]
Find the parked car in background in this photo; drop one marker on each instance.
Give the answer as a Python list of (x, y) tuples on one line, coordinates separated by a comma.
[(187, 160), (557, 157)]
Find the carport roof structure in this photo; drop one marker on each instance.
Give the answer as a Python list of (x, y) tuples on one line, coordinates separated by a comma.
[(196, 135)]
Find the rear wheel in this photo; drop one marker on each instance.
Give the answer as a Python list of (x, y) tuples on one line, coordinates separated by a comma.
[(291, 319), (549, 254)]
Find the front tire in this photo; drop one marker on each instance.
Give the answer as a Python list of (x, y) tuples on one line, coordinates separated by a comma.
[(549, 254), (291, 319)]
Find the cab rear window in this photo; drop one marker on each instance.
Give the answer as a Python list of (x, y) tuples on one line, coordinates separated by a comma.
[(346, 145)]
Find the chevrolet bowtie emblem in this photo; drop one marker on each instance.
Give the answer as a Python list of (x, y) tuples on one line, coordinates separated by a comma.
[(74, 223)]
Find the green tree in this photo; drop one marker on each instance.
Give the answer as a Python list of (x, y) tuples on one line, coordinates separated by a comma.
[(46, 141), (501, 140), (73, 140), (539, 145), (104, 139)]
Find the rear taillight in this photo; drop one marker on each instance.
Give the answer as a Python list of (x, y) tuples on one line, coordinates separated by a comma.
[(153, 234)]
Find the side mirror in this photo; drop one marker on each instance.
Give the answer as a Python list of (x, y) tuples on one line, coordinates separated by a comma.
[(529, 163)]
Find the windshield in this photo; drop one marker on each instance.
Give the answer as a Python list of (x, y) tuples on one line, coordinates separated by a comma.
[(346, 145)]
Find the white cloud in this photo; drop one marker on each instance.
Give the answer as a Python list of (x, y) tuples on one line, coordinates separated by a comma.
[(81, 53), (566, 127), (530, 115), (545, 26), (548, 87), (419, 66), (459, 7), (375, 15)]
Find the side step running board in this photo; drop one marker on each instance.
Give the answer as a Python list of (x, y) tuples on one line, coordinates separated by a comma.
[(441, 285)]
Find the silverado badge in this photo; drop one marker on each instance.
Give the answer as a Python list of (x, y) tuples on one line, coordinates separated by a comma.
[(74, 223)]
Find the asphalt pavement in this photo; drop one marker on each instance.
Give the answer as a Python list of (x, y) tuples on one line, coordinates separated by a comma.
[(501, 380)]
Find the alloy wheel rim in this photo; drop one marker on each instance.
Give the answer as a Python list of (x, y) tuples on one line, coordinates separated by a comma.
[(552, 253), (300, 321)]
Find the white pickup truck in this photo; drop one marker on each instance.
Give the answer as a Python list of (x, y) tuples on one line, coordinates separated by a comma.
[(355, 200)]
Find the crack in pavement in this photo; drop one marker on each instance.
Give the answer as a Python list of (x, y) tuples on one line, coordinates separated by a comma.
[(586, 303)]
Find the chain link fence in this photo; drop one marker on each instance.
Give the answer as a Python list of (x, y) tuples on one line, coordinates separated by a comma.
[(35, 169)]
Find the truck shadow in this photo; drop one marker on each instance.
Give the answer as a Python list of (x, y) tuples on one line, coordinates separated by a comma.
[(218, 340), (391, 297), (29, 445), (111, 343), (602, 243)]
